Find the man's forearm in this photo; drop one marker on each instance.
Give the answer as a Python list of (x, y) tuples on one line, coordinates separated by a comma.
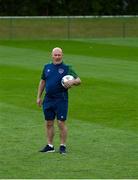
[(77, 81), (41, 88)]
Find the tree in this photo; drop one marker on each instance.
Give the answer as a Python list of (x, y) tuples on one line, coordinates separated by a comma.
[(67, 7)]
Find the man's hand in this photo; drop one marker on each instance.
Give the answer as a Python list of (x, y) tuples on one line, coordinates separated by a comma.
[(69, 84), (39, 102)]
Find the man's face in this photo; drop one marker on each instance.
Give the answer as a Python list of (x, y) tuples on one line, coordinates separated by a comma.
[(57, 56)]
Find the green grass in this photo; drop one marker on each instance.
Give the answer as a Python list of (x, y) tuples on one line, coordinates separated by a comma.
[(61, 28), (103, 111)]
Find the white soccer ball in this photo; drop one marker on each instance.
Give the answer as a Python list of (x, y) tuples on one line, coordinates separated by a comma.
[(66, 78)]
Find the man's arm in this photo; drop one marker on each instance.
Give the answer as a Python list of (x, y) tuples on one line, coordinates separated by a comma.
[(77, 81), (74, 82), (40, 91)]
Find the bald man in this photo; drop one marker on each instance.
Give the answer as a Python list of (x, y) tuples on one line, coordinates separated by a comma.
[(55, 103)]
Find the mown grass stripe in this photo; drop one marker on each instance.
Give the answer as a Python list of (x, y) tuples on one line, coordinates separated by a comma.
[(102, 119)]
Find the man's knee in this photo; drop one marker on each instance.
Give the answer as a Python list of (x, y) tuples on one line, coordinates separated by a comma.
[(49, 124), (61, 124)]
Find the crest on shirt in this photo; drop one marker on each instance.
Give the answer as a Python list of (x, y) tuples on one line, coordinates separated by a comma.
[(60, 70), (48, 70)]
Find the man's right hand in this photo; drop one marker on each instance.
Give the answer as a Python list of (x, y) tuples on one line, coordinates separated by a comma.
[(39, 102)]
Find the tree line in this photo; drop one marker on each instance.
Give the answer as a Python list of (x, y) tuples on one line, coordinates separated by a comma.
[(67, 7)]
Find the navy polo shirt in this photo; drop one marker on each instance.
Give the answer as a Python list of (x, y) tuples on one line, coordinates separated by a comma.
[(52, 74)]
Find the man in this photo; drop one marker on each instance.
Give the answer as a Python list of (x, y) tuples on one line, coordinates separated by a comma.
[(55, 103)]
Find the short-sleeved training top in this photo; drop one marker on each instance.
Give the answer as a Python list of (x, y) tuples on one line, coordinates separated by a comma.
[(52, 74)]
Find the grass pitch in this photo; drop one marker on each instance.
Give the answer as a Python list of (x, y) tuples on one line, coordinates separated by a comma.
[(103, 111)]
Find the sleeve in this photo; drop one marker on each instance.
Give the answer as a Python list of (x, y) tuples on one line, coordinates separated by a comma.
[(72, 72), (43, 74)]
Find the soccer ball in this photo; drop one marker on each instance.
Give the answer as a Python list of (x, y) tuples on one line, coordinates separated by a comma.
[(66, 78)]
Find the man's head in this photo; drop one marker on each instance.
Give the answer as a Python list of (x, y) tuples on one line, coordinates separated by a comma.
[(57, 55)]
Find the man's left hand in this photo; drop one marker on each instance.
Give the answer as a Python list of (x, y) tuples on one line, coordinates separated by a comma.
[(69, 84)]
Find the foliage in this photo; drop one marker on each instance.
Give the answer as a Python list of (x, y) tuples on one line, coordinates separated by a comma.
[(65, 7)]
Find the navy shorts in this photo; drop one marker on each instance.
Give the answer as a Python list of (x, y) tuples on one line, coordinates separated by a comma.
[(55, 108)]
